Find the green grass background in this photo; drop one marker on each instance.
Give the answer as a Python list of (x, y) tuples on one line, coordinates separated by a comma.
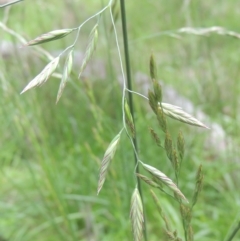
[(50, 154)]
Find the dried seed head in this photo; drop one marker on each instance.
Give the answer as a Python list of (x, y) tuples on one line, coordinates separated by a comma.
[(157, 91), (129, 119), (180, 145), (136, 215), (66, 72), (152, 66), (92, 43), (43, 76), (168, 146), (152, 101), (155, 136), (50, 36), (165, 180), (162, 120), (108, 156)]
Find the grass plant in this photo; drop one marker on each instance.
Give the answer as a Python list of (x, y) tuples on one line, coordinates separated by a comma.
[(51, 153)]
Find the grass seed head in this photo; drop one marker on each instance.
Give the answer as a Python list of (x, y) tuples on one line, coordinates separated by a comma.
[(152, 66), (43, 76), (50, 36), (66, 72), (165, 180), (108, 156), (136, 215)]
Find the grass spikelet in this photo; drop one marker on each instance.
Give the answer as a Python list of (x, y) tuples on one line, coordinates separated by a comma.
[(169, 236), (148, 181), (162, 120), (136, 215), (175, 162), (152, 101), (177, 113), (155, 136), (159, 208), (198, 185), (50, 36), (180, 145), (66, 72), (165, 180), (157, 91), (152, 67), (93, 37), (108, 156), (129, 119), (168, 146), (43, 76)]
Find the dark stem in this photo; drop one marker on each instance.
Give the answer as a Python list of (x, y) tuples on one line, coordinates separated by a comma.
[(129, 84), (234, 232)]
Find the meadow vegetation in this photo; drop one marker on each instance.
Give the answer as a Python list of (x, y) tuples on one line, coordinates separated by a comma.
[(50, 154)]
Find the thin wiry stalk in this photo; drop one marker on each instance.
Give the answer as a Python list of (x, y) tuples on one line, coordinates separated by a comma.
[(8, 4)]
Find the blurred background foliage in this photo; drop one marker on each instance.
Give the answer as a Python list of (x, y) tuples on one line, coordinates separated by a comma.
[(50, 153)]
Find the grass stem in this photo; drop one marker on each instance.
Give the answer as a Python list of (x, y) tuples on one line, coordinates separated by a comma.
[(131, 106)]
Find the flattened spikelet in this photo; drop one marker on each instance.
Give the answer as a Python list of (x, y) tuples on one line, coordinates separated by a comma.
[(177, 113), (108, 156), (50, 36), (66, 72), (93, 37), (43, 76), (136, 215), (164, 179)]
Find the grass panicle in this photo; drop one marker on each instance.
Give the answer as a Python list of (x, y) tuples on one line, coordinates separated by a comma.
[(136, 215), (66, 72), (43, 76), (165, 180), (92, 43), (50, 36), (107, 158)]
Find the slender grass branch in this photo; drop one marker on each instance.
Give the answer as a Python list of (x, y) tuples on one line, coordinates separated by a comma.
[(8, 4)]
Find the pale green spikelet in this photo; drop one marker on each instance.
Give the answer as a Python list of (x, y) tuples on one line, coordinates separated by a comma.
[(136, 215)]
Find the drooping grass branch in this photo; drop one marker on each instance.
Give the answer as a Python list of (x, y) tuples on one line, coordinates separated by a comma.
[(11, 3)]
